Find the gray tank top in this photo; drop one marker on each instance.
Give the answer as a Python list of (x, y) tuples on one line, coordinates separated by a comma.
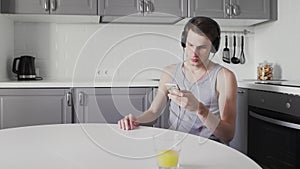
[(205, 91)]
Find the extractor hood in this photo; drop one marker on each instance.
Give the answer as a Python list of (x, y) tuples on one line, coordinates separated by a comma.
[(140, 18)]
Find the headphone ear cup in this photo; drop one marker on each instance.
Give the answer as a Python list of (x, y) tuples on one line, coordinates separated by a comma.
[(215, 44), (183, 39)]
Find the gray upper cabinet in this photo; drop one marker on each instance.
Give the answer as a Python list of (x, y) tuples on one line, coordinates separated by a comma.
[(25, 6), (108, 105), (254, 9), (142, 11), (72, 7), (211, 8), (143, 7), (120, 7), (235, 9), (67, 7), (165, 7), (26, 107)]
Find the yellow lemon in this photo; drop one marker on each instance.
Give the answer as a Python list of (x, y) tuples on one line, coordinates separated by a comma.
[(168, 158)]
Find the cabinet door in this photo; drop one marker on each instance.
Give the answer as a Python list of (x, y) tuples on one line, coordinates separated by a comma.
[(210, 8), (239, 141), (254, 9), (26, 107), (120, 7), (166, 7), (74, 7), (25, 6), (108, 105)]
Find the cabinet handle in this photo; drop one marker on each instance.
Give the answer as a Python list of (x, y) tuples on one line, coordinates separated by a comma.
[(141, 6), (236, 10), (241, 91), (46, 5), (228, 9), (81, 98), (53, 5), (69, 99), (149, 7)]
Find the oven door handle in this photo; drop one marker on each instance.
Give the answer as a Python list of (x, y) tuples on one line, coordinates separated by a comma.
[(274, 121)]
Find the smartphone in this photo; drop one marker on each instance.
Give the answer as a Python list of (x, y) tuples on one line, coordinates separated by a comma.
[(171, 87)]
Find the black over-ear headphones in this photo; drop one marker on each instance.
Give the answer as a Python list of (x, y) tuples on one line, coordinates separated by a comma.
[(215, 42)]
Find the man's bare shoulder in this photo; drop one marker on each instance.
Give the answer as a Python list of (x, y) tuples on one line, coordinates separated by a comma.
[(167, 73), (225, 73), (170, 68)]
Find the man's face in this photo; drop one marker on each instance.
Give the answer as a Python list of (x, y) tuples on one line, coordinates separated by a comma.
[(198, 48)]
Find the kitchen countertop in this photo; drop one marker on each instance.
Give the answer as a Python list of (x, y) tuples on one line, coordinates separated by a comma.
[(266, 86), (67, 84), (249, 84)]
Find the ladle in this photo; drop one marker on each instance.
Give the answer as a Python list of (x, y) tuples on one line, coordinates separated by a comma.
[(234, 59)]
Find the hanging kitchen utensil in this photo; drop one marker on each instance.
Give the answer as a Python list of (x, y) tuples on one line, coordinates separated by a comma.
[(242, 56), (226, 53), (234, 59)]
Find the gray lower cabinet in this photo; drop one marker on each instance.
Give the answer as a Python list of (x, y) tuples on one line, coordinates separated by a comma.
[(235, 9), (67, 7), (108, 105), (26, 107), (239, 141)]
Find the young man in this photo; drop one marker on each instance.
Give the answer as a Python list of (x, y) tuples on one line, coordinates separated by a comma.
[(205, 103)]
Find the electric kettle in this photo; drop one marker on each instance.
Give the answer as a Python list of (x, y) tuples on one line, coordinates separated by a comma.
[(24, 67)]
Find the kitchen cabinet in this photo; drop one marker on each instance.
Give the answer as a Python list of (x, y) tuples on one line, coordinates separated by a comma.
[(112, 7), (239, 141), (108, 105), (232, 9), (143, 8), (26, 107), (62, 7)]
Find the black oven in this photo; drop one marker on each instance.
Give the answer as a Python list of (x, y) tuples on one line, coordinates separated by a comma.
[(274, 129)]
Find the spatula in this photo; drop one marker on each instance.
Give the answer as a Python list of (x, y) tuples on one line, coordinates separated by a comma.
[(226, 53)]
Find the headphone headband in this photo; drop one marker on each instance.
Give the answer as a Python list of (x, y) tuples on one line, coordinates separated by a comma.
[(198, 21)]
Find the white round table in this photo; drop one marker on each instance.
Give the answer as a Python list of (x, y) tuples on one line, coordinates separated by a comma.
[(94, 146)]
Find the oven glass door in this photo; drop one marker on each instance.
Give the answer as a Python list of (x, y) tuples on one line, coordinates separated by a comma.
[(273, 143)]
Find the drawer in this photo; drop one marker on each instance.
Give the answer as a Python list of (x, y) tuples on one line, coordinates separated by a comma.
[(279, 102)]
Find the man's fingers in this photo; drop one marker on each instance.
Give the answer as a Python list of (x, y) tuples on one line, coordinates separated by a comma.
[(122, 124), (131, 119)]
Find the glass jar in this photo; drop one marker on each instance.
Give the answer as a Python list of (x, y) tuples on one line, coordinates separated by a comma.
[(265, 71)]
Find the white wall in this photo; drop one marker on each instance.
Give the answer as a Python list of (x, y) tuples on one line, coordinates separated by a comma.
[(6, 47), (140, 48), (278, 42), (83, 50), (93, 51)]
